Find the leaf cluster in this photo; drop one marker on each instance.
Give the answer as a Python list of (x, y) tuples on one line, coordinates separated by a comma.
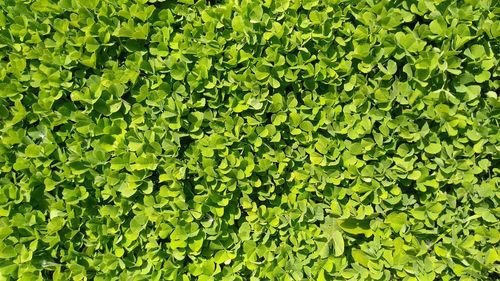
[(249, 140)]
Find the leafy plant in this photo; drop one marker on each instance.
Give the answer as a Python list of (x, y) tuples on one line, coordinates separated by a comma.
[(249, 140)]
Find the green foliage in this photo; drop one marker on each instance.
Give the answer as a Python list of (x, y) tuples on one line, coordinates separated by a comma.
[(249, 140)]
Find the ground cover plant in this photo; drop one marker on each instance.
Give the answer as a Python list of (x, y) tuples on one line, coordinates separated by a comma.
[(249, 140)]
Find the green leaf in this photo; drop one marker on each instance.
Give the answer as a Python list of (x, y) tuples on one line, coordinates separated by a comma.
[(223, 257), (360, 257), (33, 151), (255, 14), (483, 76), (396, 220), (178, 71), (138, 223), (55, 225), (392, 67), (438, 26), (354, 226), (238, 24), (433, 148), (323, 249), (473, 135), (486, 215), (255, 103), (307, 126), (338, 243)]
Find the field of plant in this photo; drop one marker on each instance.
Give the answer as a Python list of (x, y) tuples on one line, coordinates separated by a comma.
[(249, 140)]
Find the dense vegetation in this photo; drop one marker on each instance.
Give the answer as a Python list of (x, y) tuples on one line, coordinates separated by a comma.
[(249, 140)]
